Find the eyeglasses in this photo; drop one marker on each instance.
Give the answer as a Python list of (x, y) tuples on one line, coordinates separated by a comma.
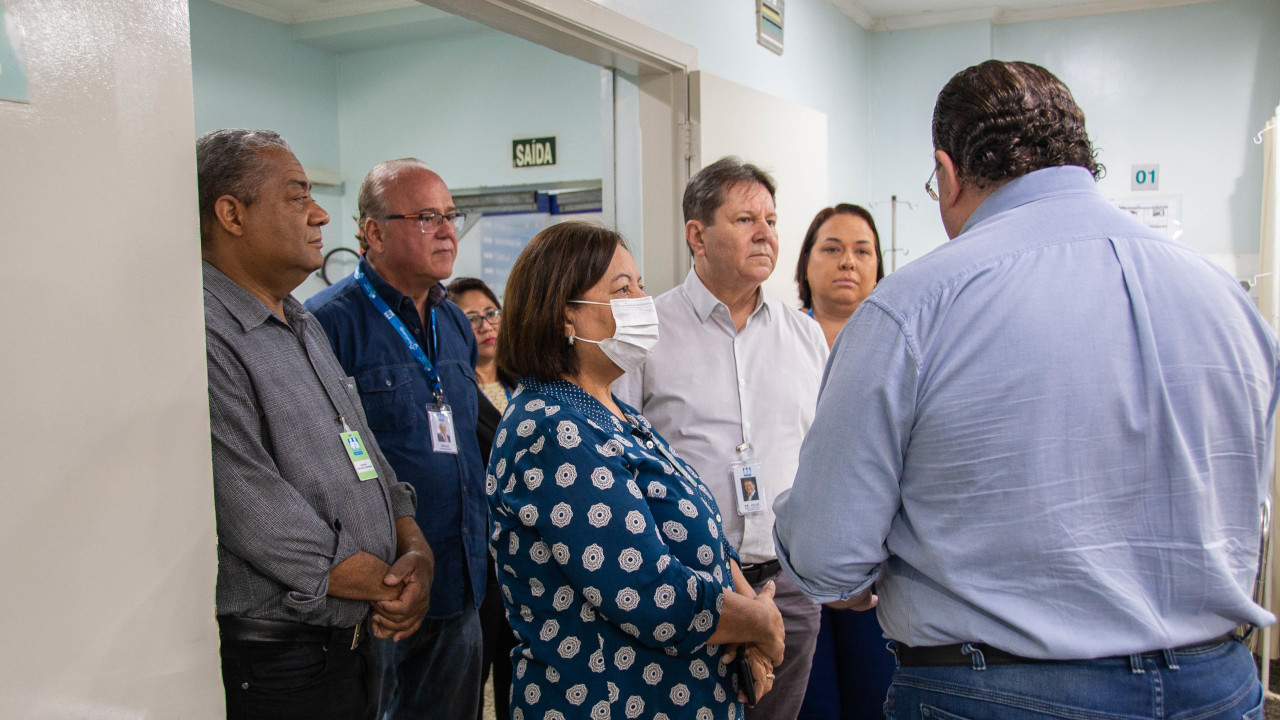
[(429, 221), (492, 317), (928, 184)]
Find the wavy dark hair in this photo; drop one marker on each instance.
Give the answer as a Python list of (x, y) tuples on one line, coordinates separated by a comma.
[(559, 264), (1001, 120), (811, 239)]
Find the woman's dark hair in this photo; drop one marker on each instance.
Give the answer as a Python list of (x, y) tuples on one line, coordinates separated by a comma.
[(811, 239), (1001, 120), (558, 265), (457, 287)]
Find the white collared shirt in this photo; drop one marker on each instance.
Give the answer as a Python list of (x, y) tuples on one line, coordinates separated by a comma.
[(708, 388)]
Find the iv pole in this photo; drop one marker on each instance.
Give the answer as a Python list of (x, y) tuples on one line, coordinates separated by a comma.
[(894, 202)]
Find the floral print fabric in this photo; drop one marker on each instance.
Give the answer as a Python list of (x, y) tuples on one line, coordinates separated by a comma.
[(612, 564)]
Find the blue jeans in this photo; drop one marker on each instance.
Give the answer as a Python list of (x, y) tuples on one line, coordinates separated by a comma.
[(434, 673), (1212, 682)]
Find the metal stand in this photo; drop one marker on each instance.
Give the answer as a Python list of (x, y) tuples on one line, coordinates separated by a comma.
[(894, 202)]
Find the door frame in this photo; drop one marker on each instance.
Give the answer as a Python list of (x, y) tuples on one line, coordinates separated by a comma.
[(661, 64)]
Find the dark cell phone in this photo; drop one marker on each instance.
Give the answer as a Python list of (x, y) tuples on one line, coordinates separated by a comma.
[(746, 683)]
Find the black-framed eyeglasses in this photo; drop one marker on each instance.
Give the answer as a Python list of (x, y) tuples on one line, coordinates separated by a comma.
[(492, 317), (928, 184), (429, 221)]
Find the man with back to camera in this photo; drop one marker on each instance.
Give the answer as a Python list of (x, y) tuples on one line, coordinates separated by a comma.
[(313, 527), (733, 385), (414, 373), (1063, 448)]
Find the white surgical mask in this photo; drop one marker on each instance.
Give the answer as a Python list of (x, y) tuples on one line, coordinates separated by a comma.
[(635, 335)]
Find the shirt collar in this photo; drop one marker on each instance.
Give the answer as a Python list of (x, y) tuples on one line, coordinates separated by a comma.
[(247, 309), (704, 302), (393, 297), (1064, 180), (577, 398)]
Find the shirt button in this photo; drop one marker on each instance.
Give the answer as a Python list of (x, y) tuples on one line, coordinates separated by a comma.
[(388, 383)]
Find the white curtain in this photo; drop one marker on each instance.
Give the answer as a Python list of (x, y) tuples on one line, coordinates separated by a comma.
[(1269, 303)]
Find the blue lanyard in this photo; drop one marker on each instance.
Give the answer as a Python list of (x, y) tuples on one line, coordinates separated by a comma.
[(436, 388), (810, 312)]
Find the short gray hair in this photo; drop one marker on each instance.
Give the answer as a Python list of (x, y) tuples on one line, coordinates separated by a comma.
[(229, 162), (704, 194), (372, 198)]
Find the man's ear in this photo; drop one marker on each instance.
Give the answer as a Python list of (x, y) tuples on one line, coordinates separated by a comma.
[(228, 212), (693, 235), (949, 186), (372, 232)]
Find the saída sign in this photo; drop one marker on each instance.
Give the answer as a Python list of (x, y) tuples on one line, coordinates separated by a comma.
[(533, 152)]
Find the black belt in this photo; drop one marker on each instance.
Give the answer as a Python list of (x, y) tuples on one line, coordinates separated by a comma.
[(760, 572), (243, 630), (954, 655)]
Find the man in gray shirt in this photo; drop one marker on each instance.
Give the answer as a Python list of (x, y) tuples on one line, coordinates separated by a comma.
[(316, 539)]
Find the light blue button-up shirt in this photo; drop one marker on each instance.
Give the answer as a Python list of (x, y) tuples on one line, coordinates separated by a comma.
[(1051, 435)]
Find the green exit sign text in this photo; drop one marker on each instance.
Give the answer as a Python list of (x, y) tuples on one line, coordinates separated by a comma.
[(533, 152)]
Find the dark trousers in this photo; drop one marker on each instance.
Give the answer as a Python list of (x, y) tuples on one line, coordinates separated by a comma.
[(498, 643), (299, 680), (851, 668)]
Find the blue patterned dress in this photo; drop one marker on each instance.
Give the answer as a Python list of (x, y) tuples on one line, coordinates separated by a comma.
[(612, 564)]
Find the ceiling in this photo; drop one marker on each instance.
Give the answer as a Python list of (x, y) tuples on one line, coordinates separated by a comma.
[(873, 15)]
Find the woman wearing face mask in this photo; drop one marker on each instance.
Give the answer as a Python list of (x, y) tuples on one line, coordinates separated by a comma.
[(493, 389), (840, 263), (613, 564)]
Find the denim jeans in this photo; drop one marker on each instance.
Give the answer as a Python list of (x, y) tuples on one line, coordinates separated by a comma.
[(434, 673), (1213, 682)]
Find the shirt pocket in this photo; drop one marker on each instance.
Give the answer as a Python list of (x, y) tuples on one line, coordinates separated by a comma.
[(388, 397)]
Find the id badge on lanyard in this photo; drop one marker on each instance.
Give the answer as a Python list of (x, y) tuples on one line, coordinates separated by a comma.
[(360, 459), (439, 415), (748, 491), (440, 419)]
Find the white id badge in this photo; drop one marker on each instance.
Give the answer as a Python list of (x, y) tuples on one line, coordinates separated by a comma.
[(746, 486), (440, 420)]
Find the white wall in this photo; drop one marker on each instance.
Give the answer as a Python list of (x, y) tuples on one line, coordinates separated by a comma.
[(107, 526), (824, 66)]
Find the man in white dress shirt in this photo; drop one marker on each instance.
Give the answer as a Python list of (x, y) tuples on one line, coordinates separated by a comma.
[(733, 385)]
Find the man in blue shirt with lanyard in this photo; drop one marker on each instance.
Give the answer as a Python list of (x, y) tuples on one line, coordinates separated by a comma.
[(411, 352), (1047, 442)]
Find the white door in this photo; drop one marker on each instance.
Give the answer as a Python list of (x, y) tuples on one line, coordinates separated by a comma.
[(785, 139)]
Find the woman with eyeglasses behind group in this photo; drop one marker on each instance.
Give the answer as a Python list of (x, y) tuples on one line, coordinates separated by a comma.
[(482, 308)]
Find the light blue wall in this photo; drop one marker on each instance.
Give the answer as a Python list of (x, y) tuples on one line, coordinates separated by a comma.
[(456, 101), (248, 72), (824, 66), (907, 70), (1186, 87), (458, 104)]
